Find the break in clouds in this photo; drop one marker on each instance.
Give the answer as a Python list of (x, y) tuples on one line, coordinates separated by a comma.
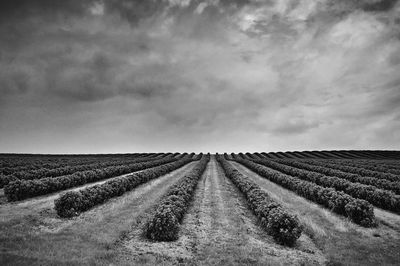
[(191, 75)]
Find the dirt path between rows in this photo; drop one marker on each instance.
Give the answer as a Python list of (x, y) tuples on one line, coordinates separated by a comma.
[(41, 237), (342, 242), (218, 229)]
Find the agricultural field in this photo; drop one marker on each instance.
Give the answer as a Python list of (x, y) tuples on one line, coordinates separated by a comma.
[(276, 208)]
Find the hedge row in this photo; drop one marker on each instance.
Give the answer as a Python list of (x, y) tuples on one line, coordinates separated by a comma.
[(367, 180), (23, 189), (377, 162), (281, 225), (20, 163), (13, 165), (373, 166), (381, 198), (359, 211), (356, 170), (227, 157), (66, 170), (383, 166), (164, 224), (75, 202), (360, 163)]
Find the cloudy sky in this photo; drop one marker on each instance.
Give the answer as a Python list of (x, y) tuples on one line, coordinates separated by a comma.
[(199, 75)]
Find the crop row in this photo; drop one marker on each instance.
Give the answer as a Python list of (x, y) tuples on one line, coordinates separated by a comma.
[(165, 222), (360, 163), (275, 220), (343, 154), (366, 180), (373, 166), (22, 189), (66, 170), (385, 166), (11, 165), (381, 198), (355, 170), (75, 202), (29, 165), (359, 211)]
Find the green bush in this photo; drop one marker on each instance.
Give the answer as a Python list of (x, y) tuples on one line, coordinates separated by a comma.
[(69, 204), (284, 227), (164, 225), (361, 212)]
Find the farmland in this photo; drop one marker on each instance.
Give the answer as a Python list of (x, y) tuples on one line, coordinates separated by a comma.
[(276, 208)]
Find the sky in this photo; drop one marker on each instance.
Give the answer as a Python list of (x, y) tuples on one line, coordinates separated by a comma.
[(116, 76)]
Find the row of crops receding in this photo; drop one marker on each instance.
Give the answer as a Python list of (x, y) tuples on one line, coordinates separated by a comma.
[(378, 197), (23, 189), (336, 154), (348, 183), (15, 163), (359, 211), (355, 170), (70, 169), (165, 222), (373, 165), (279, 223), (74, 202), (320, 167)]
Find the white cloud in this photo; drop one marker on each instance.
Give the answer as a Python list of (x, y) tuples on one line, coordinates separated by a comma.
[(201, 7), (97, 8), (182, 3), (357, 31)]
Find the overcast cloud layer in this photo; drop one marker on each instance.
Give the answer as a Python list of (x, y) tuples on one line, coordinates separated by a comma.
[(199, 75)]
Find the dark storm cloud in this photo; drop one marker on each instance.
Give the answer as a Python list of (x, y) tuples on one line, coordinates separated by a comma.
[(383, 5), (17, 9), (348, 6), (204, 75), (135, 10)]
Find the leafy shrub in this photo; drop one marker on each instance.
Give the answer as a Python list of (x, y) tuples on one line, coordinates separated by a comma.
[(361, 212), (164, 225), (68, 205), (283, 227)]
